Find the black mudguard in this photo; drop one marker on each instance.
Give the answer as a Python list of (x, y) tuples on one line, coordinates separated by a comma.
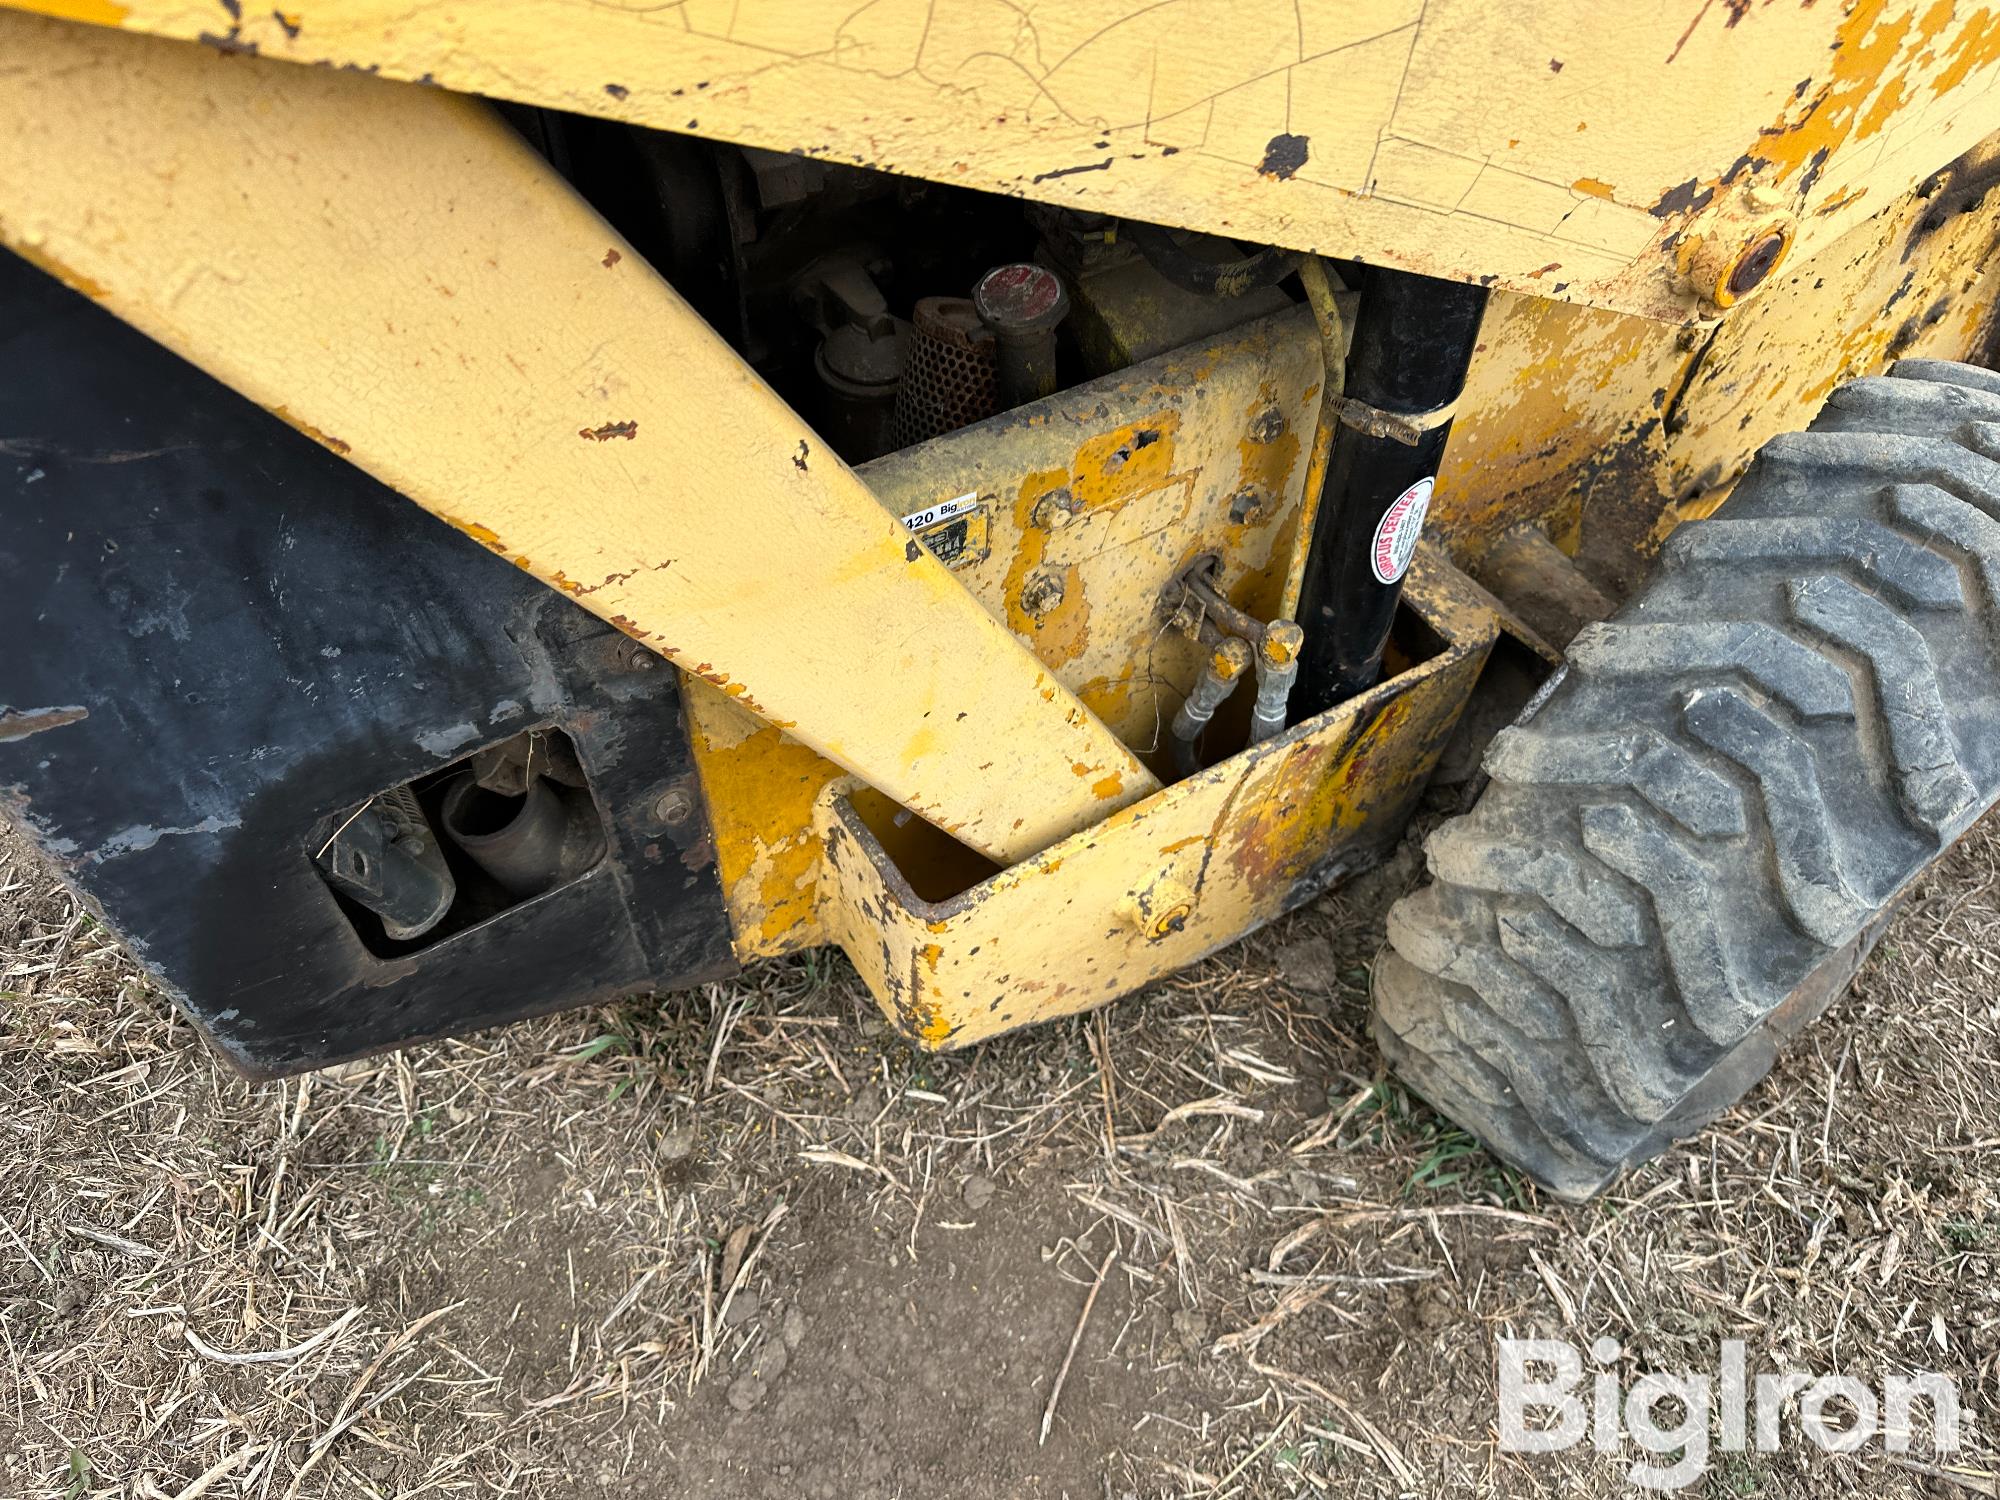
[(216, 636)]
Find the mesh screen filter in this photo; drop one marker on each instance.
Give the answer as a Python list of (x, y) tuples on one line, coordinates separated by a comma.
[(948, 379)]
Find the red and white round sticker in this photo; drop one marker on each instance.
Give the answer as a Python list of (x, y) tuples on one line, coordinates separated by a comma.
[(1396, 535)]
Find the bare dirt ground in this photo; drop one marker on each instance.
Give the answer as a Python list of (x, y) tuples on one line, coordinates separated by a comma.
[(742, 1243)]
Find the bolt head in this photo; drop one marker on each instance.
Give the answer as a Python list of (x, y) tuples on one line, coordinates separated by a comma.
[(1041, 593), (1269, 426), (674, 807), (1246, 506), (1758, 260), (1730, 263), (1055, 510)]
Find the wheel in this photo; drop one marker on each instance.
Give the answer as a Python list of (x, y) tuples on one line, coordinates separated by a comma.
[(1690, 842)]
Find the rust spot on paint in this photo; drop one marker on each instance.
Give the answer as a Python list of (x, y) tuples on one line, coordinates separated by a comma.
[(1284, 155), (76, 281), (1555, 65), (611, 258), (299, 424), (616, 90), (608, 431), (799, 458), (289, 21)]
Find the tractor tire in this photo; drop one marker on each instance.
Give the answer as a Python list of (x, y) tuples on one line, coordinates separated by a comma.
[(1694, 835)]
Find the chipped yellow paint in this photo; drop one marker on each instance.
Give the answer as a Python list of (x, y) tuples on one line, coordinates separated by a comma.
[(1456, 137), (1164, 881), (1607, 431), (1556, 396), (1920, 279), (328, 440), (755, 779), (1054, 507), (1564, 422), (1130, 533), (32, 248), (1561, 426), (257, 218), (1117, 485)]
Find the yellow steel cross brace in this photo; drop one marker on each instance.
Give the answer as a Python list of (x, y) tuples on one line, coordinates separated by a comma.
[(392, 271)]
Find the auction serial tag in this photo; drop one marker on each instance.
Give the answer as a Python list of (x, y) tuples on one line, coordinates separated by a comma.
[(944, 510), (954, 530)]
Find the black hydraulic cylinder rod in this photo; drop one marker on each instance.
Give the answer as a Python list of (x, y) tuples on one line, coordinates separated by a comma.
[(1413, 339)]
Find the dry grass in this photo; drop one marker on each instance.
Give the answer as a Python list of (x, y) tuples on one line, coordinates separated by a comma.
[(569, 1257)]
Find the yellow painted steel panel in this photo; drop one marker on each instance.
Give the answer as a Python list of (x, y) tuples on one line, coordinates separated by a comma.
[(392, 271), (1607, 431), (1165, 881), (1590, 151), (1114, 487)]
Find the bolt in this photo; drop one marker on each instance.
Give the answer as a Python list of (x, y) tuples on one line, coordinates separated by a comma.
[(1041, 593), (1170, 921), (673, 807), (1757, 261), (1054, 510), (1268, 427), (1246, 506), (1727, 266), (639, 659)]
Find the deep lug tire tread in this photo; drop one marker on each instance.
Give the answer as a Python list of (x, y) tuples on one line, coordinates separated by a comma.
[(1735, 775)]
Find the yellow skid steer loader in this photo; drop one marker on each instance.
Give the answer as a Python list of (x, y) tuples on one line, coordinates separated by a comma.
[(513, 502)]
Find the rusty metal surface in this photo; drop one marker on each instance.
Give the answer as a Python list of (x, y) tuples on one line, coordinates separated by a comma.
[(1168, 880), (1601, 429), (1607, 431)]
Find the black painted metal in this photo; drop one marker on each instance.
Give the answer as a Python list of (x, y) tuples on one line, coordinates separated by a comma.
[(241, 637), (1413, 339)]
